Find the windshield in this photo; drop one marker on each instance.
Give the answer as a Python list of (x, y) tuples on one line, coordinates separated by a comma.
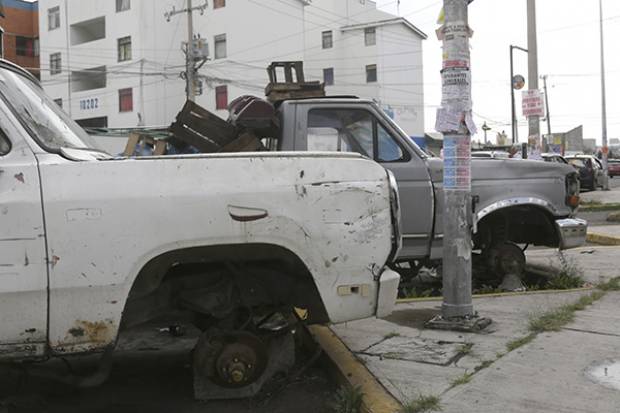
[(48, 124), (579, 163)]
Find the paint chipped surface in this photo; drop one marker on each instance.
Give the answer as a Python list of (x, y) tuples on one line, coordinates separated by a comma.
[(20, 177), (96, 332)]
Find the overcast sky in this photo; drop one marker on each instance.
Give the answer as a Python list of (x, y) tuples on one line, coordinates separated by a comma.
[(568, 48)]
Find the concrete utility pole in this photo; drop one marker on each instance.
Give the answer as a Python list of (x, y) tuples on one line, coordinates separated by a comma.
[(604, 103), (532, 68), (190, 61), (454, 121)]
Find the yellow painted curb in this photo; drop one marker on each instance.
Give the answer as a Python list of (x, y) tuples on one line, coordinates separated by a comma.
[(602, 239), (352, 372)]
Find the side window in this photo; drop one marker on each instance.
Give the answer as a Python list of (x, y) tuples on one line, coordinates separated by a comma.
[(388, 148), (352, 130), (5, 145)]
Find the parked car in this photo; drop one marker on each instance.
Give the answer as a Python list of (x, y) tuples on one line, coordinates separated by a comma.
[(591, 175), (613, 167), (554, 157), (92, 244)]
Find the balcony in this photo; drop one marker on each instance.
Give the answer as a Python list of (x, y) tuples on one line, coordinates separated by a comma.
[(88, 31), (95, 78)]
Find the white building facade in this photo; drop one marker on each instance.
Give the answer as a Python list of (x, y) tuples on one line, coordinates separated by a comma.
[(118, 63)]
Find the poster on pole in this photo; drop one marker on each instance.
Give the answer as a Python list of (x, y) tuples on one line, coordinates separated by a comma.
[(457, 162), (533, 103)]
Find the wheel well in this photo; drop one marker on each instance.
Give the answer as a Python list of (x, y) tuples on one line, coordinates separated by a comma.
[(216, 280), (522, 224)]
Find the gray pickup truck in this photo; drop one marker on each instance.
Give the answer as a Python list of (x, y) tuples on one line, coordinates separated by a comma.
[(514, 202)]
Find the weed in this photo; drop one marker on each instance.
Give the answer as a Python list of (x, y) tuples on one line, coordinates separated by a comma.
[(464, 379), (611, 285), (465, 349), (487, 363), (391, 335), (423, 404), (570, 275), (552, 320), (348, 400), (515, 344)]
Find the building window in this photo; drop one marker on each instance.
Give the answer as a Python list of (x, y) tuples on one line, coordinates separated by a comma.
[(328, 76), (370, 36), (218, 4), (124, 49), (371, 73), (328, 40), (1, 42), (53, 18), (122, 5), (125, 100), (55, 64), (58, 102), (219, 43), (24, 46), (36, 47), (221, 97)]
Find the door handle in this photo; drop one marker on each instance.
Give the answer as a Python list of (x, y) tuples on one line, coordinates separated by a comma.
[(245, 214)]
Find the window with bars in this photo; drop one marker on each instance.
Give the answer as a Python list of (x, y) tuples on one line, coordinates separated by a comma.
[(370, 36), (124, 49), (219, 44), (218, 4), (371, 73), (328, 39), (122, 5), (55, 64), (125, 100), (328, 76), (221, 97), (53, 18)]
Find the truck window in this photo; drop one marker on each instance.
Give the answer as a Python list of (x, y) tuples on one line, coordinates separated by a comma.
[(5, 145), (351, 130)]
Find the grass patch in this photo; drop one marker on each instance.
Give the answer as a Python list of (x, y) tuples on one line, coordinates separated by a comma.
[(611, 285), (465, 349), (348, 400), (486, 363), (552, 320), (519, 342), (391, 335), (423, 404), (464, 379), (569, 277), (594, 206)]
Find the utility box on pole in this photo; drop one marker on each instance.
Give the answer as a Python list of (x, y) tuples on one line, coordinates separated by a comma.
[(455, 122)]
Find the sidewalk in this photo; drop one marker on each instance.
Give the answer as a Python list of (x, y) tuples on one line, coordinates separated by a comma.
[(490, 372), (604, 197), (550, 374), (604, 235)]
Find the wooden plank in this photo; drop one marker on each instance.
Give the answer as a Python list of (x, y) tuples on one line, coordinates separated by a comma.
[(247, 142), (132, 142), (189, 137), (160, 147)]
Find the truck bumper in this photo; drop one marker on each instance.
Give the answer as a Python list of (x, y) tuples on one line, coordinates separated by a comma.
[(388, 292), (572, 232)]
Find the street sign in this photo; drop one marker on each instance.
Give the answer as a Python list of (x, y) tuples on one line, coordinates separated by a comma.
[(518, 82), (533, 103)]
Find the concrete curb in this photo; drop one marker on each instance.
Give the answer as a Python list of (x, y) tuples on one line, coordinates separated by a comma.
[(349, 371), (602, 239)]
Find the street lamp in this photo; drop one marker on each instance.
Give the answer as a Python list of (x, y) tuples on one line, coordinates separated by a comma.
[(515, 131)]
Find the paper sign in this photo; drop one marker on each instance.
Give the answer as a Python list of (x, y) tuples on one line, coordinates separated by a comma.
[(532, 103), (457, 162)]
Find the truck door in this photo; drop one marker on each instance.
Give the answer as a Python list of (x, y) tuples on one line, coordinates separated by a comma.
[(23, 270), (360, 129)]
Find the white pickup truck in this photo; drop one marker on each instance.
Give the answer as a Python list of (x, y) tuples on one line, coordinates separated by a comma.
[(91, 244)]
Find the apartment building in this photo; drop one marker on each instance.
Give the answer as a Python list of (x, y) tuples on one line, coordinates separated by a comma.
[(120, 63), (19, 34)]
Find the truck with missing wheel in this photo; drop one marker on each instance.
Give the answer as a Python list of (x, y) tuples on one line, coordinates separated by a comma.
[(92, 245)]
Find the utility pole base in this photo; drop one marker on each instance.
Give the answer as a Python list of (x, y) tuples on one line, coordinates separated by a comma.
[(468, 324)]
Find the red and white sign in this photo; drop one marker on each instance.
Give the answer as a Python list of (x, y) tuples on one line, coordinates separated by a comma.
[(533, 103)]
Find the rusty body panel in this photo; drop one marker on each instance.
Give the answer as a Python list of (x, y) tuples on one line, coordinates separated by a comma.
[(133, 210)]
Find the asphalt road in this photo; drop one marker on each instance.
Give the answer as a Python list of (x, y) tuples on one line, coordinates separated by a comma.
[(599, 218)]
